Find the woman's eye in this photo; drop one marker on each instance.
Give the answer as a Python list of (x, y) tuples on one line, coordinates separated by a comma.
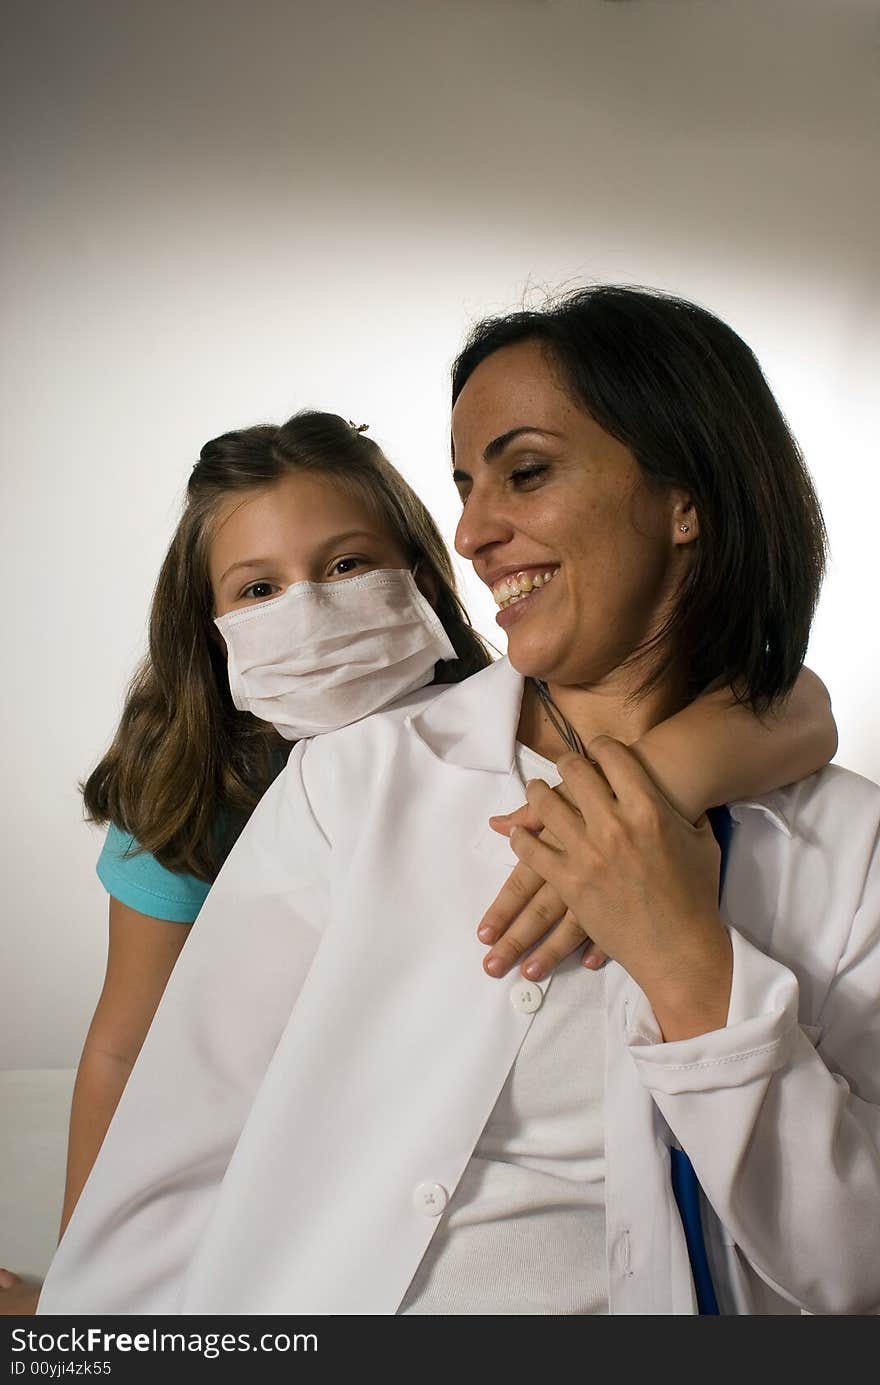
[(260, 591), (523, 475)]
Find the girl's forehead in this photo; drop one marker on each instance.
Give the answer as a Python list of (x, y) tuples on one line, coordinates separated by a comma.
[(299, 498), (293, 516)]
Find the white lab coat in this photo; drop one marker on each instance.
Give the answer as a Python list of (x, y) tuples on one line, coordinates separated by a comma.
[(329, 1043)]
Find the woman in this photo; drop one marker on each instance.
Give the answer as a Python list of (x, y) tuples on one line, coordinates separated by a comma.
[(347, 1045)]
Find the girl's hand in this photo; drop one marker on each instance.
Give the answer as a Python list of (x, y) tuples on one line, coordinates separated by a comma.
[(526, 909), (18, 1297), (638, 879)]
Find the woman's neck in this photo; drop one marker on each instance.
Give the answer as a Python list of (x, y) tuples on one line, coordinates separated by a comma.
[(596, 711)]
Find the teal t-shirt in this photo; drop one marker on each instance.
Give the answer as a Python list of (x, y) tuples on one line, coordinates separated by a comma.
[(135, 878)]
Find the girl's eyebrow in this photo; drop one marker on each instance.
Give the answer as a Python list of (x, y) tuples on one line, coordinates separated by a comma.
[(245, 562), (328, 544)]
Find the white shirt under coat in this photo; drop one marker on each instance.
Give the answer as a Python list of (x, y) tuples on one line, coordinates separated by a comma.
[(328, 1051), (524, 1231)]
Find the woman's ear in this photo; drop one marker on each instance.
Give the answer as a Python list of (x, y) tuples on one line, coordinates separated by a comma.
[(685, 524), (426, 581)]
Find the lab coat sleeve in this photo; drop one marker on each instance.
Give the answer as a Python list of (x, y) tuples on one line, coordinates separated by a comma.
[(152, 1188), (782, 1121)]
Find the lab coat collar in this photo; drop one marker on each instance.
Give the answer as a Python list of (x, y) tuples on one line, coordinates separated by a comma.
[(474, 723), (458, 727), (769, 805)]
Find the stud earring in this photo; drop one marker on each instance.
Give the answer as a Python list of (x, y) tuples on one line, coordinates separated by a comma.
[(685, 528)]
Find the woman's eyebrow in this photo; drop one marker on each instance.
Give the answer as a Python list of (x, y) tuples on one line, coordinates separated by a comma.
[(493, 449)]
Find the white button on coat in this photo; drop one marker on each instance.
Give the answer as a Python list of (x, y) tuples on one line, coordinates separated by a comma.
[(430, 1199), (526, 996)]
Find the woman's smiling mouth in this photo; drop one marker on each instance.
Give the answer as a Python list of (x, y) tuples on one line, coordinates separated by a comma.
[(509, 590)]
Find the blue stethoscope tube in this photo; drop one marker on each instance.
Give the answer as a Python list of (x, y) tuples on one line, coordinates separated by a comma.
[(684, 1180)]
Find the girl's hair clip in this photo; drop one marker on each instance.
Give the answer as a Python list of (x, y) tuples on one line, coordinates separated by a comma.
[(358, 427)]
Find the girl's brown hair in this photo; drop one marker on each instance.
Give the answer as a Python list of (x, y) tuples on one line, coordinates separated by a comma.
[(186, 769)]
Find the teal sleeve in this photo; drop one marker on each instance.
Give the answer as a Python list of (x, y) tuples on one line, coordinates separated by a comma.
[(135, 878)]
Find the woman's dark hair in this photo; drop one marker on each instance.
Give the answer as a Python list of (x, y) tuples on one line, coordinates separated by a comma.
[(688, 398), (186, 769)]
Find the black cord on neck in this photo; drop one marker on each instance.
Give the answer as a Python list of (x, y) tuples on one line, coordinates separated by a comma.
[(558, 719)]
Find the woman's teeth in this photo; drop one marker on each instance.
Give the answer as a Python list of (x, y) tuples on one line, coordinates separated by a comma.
[(516, 588)]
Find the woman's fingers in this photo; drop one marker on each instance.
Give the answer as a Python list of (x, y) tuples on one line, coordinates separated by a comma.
[(583, 797), (523, 817), (624, 774), (630, 875)]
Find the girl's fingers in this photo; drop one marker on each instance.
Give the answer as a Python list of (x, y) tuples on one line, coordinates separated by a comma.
[(528, 916), (560, 942), (537, 915), (593, 957), (519, 888)]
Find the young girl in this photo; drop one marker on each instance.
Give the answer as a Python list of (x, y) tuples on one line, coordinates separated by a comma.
[(274, 514)]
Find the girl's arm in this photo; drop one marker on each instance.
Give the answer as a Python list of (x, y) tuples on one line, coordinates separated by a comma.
[(141, 956), (717, 750), (142, 953), (18, 1297)]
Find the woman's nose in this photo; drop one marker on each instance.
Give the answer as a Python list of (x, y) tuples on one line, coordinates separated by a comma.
[(480, 526)]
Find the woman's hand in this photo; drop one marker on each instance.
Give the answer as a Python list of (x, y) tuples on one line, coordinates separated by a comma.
[(638, 879), (526, 909), (18, 1297)]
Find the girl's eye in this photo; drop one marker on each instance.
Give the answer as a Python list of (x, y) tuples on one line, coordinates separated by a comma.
[(345, 566), (523, 475), (260, 591)]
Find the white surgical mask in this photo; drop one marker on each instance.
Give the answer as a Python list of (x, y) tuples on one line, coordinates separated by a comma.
[(324, 654)]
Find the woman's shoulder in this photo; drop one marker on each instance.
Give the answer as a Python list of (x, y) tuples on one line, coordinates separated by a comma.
[(822, 834), (832, 801), (137, 879), (836, 784)]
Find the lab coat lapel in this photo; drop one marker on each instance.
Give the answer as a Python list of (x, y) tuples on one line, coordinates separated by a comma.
[(419, 1040), (474, 723), (474, 726)]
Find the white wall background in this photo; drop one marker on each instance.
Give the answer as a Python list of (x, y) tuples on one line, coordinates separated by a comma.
[(217, 212)]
